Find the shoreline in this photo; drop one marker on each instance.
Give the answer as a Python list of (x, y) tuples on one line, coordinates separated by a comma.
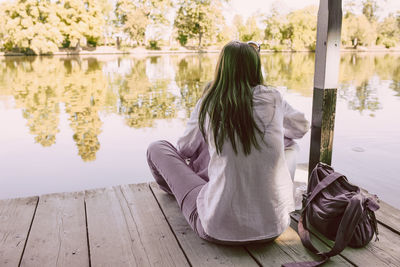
[(143, 51)]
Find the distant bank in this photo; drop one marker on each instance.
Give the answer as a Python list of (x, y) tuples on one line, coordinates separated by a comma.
[(101, 50)]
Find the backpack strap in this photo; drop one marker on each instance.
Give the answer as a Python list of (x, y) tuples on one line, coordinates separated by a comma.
[(350, 219), (322, 185)]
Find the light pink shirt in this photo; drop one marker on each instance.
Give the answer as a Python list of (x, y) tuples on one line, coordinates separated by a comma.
[(248, 197)]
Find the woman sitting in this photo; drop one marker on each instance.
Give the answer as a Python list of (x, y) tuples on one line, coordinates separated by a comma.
[(231, 172)]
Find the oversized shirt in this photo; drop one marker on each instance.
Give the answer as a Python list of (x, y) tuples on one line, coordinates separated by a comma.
[(248, 198)]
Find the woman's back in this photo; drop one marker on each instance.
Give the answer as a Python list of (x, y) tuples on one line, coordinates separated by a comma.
[(249, 197), (237, 187)]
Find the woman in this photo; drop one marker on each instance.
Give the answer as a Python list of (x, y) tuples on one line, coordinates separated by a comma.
[(229, 172)]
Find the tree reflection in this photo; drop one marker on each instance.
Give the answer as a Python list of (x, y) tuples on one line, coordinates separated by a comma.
[(192, 74), (388, 68), (143, 90), (85, 90), (41, 84), (293, 70), (37, 95), (355, 75), (142, 102)]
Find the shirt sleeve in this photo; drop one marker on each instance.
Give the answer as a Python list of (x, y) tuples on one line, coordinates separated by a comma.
[(191, 140), (295, 123)]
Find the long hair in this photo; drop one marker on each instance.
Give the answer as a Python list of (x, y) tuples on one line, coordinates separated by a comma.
[(229, 98)]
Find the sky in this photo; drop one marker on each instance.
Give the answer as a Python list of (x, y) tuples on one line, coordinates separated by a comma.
[(248, 7)]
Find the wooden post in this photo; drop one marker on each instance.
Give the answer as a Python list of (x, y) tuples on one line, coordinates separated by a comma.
[(327, 59)]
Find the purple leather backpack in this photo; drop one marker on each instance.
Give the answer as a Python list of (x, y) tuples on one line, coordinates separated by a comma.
[(338, 210)]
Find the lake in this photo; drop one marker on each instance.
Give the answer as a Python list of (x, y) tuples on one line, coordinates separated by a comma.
[(74, 123)]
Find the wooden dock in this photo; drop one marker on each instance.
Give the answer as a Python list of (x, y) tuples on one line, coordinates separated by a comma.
[(139, 225)]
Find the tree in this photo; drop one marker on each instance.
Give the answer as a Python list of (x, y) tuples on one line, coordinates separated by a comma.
[(273, 30), (251, 30), (301, 29), (388, 31), (134, 16), (225, 34), (131, 20), (31, 26), (369, 9), (81, 19), (239, 26), (296, 31), (357, 30), (198, 19), (2, 25)]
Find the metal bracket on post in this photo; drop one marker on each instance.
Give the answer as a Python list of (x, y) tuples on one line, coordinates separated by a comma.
[(327, 59)]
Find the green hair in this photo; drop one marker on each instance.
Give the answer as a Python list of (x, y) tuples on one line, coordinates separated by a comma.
[(228, 99)]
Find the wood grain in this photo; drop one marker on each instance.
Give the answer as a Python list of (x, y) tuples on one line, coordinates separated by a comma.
[(16, 216), (384, 252), (288, 248), (58, 234), (118, 236), (148, 225), (199, 251)]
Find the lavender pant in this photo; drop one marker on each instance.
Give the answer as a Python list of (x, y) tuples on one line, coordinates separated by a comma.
[(184, 180)]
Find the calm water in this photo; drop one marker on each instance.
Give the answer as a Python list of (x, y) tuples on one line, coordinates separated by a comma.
[(74, 123)]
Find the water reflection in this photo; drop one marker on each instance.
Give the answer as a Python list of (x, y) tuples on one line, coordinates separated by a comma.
[(144, 90), (292, 70), (142, 101), (192, 75)]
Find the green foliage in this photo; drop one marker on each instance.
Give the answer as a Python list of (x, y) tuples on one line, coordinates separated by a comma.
[(302, 28), (66, 42), (42, 26), (296, 31), (31, 26), (369, 9), (272, 32), (225, 34), (134, 16), (358, 30), (81, 19), (248, 31), (388, 31), (92, 41), (198, 19), (131, 20), (153, 45), (182, 39)]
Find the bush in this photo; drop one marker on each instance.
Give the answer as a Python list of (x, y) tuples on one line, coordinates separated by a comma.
[(92, 41), (153, 45), (183, 39), (279, 47), (66, 43), (388, 43)]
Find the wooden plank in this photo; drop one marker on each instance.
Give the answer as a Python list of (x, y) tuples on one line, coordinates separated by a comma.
[(384, 252), (16, 216), (198, 251), (288, 248), (149, 226), (387, 215), (118, 236), (58, 235)]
